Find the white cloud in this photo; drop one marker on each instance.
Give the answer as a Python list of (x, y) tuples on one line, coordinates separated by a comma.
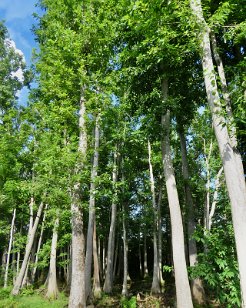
[(19, 73)]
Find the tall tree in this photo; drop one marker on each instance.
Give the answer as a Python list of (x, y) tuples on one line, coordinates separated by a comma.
[(230, 156)]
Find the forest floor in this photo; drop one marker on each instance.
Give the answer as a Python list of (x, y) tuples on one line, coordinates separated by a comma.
[(139, 296)]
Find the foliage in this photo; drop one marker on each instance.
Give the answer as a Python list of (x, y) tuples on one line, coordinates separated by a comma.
[(128, 303), (218, 266)]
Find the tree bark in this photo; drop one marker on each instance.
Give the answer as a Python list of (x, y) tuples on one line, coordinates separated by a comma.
[(125, 253), (140, 255), (183, 292), (39, 245), (160, 239), (108, 283), (89, 241), (9, 249), (230, 156), (52, 291), (97, 292), (146, 271), (26, 279), (77, 297), (196, 284), (215, 197), (21, 274), (155, 287)]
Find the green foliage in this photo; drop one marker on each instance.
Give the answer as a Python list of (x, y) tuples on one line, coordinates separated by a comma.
[(128, 303), (218, 265)]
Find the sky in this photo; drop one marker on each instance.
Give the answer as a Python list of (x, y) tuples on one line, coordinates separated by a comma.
[(19, 21)]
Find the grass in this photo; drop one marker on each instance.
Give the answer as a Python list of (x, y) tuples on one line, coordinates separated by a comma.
[(32, 300)]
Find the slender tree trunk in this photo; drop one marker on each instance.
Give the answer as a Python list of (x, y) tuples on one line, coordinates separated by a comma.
[(26, 280), (9, 249), (4, 261), (215, 197), (224, 90), (116, 261), (160, 239), (140, 256), (52, 291), (39, 245), (230, 156), (155, 288), (196, 284), (100, 261), (97, 292), (146, 271), (108, 283), (125, 252), (207, 201), (103, 259), (21, 274), (77, 297), (89, 241), (183, 292)]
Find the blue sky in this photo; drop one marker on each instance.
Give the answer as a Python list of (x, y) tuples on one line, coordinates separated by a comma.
[(18, 18)]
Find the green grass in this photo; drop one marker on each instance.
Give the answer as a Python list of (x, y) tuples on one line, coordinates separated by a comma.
[(31, 301)]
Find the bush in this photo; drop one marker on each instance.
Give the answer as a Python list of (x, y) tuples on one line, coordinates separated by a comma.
[(128, 303)]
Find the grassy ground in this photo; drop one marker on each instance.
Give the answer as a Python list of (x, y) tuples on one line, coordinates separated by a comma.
[(30, 299), (139, 297)]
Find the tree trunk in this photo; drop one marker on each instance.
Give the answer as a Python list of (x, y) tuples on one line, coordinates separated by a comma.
[(89, 241), (97, 292), (125, 252), (215, 197), (155, 288), (160, 239), (108, 283), (196, 284), (183, 292), (116, 261), (9, 249), (21, 274), (77, 291), (230, 156), (146, 271), (140, 255), (39, 245), (26, 280), (52, 291)]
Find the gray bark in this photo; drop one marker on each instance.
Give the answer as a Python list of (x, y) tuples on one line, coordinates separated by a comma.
[(52, 291), (77, 297), (21, 274), (39, 245), (215, 197), (146, 271), (155, 287), (9, 249), (230, 156), (97, 292), (160, 239), (196, 284), (26, 280), (108, 283), (125, 253), (89, 241), (183, 292)]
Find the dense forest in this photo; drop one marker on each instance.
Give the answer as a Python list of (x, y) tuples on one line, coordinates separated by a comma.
[(122, 177)]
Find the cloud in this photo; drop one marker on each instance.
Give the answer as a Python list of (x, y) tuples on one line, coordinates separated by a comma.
[(19, 73)]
